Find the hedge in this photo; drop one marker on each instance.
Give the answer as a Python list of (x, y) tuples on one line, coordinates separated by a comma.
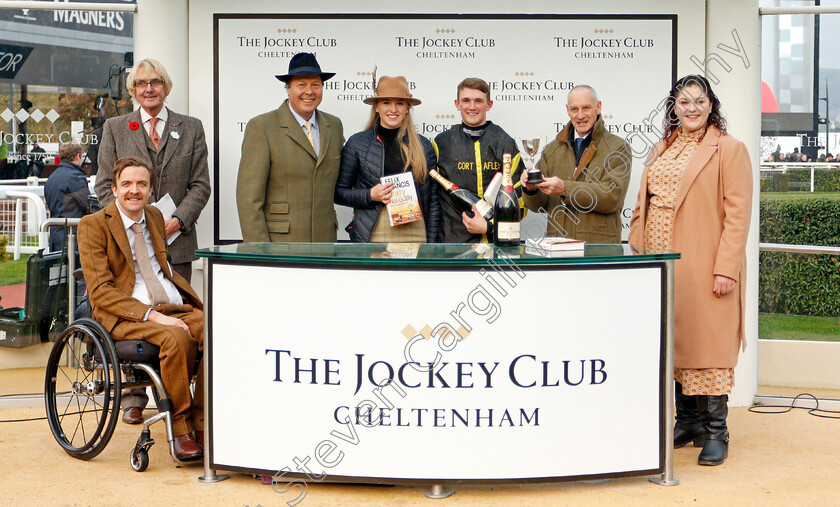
[(801, 284)]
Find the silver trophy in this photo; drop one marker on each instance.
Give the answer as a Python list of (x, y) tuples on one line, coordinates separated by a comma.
[(530, 150)]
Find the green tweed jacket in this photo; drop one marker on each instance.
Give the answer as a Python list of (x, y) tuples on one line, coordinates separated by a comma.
[(284, 192), (595, 188)]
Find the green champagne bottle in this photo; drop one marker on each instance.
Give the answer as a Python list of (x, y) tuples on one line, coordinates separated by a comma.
[(506, 209), (463, 198)]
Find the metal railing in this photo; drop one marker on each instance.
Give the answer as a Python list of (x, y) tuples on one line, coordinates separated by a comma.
[(37, 213), (22, 209), (803, 348), (767, 168), (32, 181), (22, 212), (806, 249)]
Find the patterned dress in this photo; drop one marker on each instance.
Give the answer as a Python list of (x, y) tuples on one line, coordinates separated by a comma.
[(664, 182)]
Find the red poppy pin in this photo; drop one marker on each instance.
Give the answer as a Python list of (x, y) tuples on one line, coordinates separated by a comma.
[(134, 125)]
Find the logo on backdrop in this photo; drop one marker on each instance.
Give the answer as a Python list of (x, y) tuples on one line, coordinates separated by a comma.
[(619, 129), (49, 137), (603, 44), (286, 44), (441, 123), (22, 115), (445, 44), (358, 88), (526, 371), (111, 23), (524, 86)]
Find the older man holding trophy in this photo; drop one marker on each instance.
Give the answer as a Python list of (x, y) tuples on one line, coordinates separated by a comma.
[(469, 155), (586, 171)]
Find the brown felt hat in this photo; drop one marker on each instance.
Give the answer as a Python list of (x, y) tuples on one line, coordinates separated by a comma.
[(392, 88)]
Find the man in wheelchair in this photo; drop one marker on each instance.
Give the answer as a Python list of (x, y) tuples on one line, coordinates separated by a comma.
[(136, 295)]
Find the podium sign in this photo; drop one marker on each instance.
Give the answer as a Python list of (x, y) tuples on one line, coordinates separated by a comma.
[(400, 373)]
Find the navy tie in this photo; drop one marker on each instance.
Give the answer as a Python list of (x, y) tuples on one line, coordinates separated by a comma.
[(578, 145)]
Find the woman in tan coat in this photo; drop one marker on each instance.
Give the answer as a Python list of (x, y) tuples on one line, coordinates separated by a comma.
[(695, 199)]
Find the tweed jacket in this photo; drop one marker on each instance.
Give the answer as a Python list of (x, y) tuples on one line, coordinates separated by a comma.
[(595, 188), (710, 229), (184, 174), (108, 265), (284, 192)]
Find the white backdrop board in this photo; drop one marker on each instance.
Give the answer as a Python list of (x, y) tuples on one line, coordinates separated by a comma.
[(556, 401), (530, 61)]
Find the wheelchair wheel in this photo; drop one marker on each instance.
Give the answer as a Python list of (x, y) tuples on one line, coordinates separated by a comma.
[(139, 460), (82, 389)]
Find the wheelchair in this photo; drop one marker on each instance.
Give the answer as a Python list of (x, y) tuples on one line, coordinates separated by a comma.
[(86, 373)]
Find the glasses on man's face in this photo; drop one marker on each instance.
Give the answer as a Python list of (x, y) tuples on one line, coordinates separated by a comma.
[(142, 83)]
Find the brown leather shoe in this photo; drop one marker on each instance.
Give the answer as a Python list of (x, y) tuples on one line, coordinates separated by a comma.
[(133, 415), (186, 448), (199, 438)]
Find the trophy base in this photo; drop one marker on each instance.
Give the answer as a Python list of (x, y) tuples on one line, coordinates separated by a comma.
[(535, 177)]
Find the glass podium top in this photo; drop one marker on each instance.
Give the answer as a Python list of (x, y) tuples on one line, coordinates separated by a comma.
[(428, 254)]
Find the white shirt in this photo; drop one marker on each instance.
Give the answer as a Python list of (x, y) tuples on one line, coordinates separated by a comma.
[(578, 136), (140, 292), (163, 117), (315, 132)]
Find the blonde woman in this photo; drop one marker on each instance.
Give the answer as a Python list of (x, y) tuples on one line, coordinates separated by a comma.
[(388, 145)]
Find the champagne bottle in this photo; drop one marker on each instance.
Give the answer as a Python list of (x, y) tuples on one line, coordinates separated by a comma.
[(463, 198), (506, 209)]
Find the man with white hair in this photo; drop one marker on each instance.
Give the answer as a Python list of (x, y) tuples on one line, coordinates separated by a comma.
[(586, 171)]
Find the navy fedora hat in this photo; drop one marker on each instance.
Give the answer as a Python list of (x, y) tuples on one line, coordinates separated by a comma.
[(304, 64)]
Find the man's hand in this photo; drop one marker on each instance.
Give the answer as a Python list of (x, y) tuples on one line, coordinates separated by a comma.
[(475, 225), (166, 320), (172, 225), (524, 180), (552, 186), (723, 285), (381, 193)]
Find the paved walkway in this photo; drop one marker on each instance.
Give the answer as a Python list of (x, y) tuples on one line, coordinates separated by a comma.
[(784, 459)]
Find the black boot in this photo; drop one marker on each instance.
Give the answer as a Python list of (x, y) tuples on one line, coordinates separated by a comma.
[(713, 411), (688, 427)]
